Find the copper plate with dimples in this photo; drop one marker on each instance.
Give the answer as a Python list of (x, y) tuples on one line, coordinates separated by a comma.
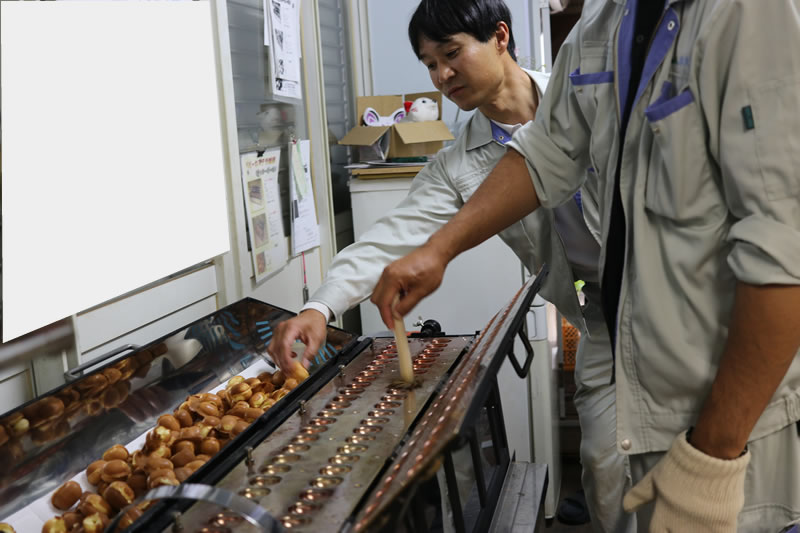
[(317, 466)]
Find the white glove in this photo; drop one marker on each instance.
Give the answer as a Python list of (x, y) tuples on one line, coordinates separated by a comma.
[(692, 491)]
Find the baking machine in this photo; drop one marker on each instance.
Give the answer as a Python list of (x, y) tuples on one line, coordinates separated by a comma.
[(350, 449)]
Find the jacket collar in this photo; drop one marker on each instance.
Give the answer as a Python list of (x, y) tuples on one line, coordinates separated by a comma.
[(479, 127)]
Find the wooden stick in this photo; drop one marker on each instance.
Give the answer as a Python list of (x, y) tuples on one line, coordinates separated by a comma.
[(403, 352)]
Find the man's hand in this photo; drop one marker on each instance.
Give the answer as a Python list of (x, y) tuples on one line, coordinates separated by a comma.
[(411, 278), (691, 491), (309, 327)]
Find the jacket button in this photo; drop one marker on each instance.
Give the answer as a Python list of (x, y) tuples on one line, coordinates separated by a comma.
[(625, 444)]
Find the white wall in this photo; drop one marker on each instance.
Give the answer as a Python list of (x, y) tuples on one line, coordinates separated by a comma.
[(395, 68)]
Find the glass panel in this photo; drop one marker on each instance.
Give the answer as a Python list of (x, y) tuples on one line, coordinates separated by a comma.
[(262, 121), (57, 435)]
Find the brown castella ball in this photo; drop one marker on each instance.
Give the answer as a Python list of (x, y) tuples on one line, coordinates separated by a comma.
[(210, 446), (278, 394), (44, 411), (207, 409), (55, 525), (296, 371), (194, 465), (278, 378), (240, 426), (227, 423), (184, 418), (66, 495), (257, 399), (138, 482), (16, 424), (71, 518), (112, 375), (119, 495), (183, 445), (95, 523), (156, 462), (235, 380), (162, 477), (129, 518), (94, 472), (182, 458), (170, 422), (240, 392), (6, 528), (94, 503), (182, 474), (3, 436), (115, 470), (118, 451)]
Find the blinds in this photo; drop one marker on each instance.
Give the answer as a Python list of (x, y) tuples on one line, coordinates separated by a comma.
[(338, 93)]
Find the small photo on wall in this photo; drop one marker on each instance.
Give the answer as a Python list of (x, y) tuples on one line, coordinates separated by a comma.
[(261, 263), (259, 230), (255, 190)]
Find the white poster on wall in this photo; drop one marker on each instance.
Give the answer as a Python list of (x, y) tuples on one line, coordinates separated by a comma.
[(305, 230), (282, 35), (268, 246), (113, 163)]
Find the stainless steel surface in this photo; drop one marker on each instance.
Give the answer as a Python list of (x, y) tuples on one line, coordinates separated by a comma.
[(521, 506), (79, 371), (243, 508), (123, 399), (314, 469), (446, 416)]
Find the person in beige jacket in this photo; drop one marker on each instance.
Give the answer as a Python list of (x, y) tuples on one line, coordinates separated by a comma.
[(468, 48), (687, 111)]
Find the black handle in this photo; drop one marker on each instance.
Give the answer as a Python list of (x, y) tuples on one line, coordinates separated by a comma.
[(522, 371), (79, 371)]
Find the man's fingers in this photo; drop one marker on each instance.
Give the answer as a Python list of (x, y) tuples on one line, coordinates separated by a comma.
[(383, 297), (312, 347), (281, 345), (642, 493)]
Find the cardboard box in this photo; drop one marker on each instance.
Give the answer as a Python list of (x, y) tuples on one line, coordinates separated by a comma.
[(404, 139)]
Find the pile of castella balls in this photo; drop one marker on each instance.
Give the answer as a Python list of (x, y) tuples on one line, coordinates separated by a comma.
[(180, 443)]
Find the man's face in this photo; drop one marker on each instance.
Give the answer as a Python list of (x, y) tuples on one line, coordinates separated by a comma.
[(465, 70)]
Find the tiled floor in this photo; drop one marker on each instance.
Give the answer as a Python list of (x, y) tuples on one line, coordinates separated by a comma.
[(570, 484)]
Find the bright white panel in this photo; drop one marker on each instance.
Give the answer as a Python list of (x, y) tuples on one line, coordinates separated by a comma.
[(112, 152)]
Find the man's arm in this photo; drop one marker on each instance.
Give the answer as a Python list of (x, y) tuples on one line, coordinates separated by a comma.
[(763, 341), (430, 203), (761, 187), (505, 197), (545, 164)]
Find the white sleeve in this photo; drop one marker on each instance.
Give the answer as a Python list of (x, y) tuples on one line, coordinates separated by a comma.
[(431, 202), (322, 308)]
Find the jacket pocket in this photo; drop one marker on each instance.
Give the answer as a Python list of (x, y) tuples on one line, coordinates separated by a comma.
[(774, 123), (593, 91), (680, 185)]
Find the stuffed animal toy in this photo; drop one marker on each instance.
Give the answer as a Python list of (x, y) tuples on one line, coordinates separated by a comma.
[(372, 118), (421, 110), (271, 122)]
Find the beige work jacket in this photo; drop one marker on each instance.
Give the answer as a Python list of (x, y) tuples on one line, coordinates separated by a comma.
[(436, 195), (710, 184)]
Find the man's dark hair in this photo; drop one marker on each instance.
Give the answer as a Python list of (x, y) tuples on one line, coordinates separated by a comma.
[(439, 20)]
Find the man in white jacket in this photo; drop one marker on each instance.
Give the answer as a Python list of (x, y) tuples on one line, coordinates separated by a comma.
[(467, 47)]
